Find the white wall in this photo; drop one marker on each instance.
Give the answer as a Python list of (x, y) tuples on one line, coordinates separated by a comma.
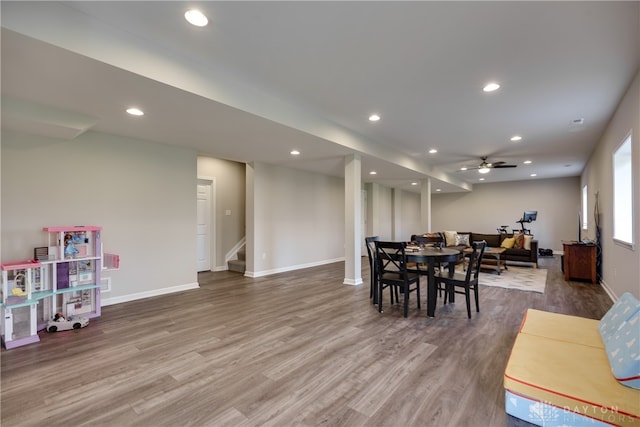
[(380, 213), (294, 219), (489, 206), (230, 196), (408, 218), (621, 265), (142, 194)]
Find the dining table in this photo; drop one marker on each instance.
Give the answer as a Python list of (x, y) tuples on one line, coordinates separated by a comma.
[(432, 256)]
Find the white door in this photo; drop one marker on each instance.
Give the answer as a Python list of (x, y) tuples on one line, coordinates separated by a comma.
[(203, 232)]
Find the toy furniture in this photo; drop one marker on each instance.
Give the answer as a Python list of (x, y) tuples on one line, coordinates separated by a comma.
[(567, 370), (64, 279), (21, 293)]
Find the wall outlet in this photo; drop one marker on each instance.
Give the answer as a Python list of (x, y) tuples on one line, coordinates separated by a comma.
[(227, 212)]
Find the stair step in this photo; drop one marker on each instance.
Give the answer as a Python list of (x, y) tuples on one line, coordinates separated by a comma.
[(237, 265), (242, 255)]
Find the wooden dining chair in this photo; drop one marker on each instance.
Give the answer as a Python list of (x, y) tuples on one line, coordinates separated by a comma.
[(373, 271), (467, 280), (393, 273)]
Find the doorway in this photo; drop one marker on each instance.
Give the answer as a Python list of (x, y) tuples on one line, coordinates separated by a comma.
[(205, 237)]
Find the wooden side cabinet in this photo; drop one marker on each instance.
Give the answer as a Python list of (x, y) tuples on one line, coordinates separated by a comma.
[(579, 261)]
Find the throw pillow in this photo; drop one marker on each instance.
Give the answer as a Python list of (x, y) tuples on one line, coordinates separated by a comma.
[(621, 311), (508, 243), (527, 241), (450, 238), (623, 349), (462, 240), (519, 241)]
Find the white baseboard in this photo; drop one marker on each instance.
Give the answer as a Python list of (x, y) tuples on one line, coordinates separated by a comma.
[(608, 290), (148, 294), (255, 274)]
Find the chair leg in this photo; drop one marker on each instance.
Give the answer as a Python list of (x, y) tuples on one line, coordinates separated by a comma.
[(406, 299), (475, 291), (380, 297), (468, 297), (418, 292)]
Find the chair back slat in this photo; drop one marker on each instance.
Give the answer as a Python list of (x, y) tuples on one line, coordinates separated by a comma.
[(392, 257), (475, 260), (371, 250)]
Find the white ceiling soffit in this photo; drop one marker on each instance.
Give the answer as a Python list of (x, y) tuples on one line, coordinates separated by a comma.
[(264, 75), (66, 27), (27, 117)]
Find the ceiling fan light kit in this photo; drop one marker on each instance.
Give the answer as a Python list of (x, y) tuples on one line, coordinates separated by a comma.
[(485, 167)]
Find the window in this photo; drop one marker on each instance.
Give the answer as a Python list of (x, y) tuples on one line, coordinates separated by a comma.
[(623, 194), (585, 214)]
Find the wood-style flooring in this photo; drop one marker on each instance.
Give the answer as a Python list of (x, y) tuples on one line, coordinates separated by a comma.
[(291, 349)]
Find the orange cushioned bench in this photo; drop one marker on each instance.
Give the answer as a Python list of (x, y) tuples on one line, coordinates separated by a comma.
[(559, 374)]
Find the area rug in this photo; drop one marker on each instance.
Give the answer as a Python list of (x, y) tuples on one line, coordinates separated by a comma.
[(520, 278)]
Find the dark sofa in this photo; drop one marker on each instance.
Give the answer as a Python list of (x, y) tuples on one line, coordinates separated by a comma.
[(511, 254), (494, 241)]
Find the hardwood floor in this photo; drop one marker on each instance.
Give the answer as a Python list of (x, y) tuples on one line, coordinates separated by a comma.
[(297, 348)]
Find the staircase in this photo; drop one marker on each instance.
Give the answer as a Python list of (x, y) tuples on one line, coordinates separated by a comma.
[(239, 264)]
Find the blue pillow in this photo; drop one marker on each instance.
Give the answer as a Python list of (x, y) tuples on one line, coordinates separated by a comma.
[(626, 306), (623, 351)]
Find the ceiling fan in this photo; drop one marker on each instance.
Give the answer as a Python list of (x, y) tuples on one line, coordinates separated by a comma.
[(485, 167)]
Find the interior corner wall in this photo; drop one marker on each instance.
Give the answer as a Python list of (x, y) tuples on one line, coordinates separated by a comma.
[(620, 264), (489, 206), (143, 195), (298, 219), (230, 203)]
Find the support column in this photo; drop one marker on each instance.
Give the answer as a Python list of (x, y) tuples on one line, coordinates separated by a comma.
[(425, 205), (352, 219)]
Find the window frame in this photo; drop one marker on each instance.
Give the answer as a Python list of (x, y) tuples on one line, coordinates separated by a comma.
[(628, 192), (585, 208)]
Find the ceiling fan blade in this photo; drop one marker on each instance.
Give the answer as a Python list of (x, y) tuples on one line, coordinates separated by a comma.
[(498, 163), (497, 166)]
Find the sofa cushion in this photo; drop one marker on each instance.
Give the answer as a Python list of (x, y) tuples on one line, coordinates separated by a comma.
[(518, 241), (571, 376), (463, 240), (508, 243), (527, 241), (623, 351), (522, 253), (622, 310), (493, 240), (450, 238), (562, 327)]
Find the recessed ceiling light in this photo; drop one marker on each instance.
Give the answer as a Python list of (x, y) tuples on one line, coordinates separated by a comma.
[(527, 162), (373, 173), (374, 118), (433, 151), (516, 138), (295, 153), (481, 179), (438, 189), (414, 183), (195, 17), (135, 111), (534, 174), (491, 87), (464, 168)]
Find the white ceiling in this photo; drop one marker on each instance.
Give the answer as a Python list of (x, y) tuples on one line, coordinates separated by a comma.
[(264, 78)]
